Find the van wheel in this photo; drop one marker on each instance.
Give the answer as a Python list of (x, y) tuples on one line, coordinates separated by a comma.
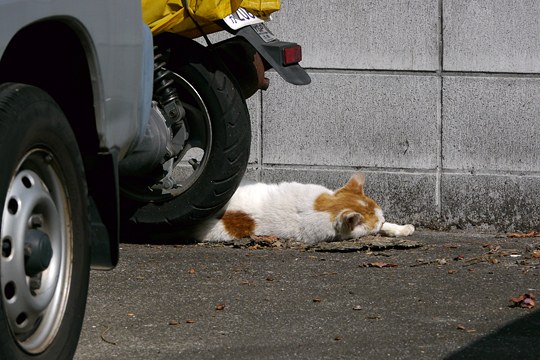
[(44, 233)]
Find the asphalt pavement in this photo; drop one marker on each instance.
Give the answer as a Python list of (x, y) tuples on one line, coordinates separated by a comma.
[(438, 295)]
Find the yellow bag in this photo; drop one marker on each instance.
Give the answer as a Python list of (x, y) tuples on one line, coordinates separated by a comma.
[(261, 8), (170, 15)]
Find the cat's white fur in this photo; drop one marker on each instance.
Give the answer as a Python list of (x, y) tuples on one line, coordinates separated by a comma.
[(287, 211)]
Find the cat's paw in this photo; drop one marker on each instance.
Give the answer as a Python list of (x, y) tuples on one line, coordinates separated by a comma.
[(389, 229), (406, 230)]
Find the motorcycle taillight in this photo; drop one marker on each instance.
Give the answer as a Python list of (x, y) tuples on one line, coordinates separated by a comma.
[(292, 54)]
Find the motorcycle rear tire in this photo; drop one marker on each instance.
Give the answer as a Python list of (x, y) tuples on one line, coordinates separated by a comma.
[(227, 160)]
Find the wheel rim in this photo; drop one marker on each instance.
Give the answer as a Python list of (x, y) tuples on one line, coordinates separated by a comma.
[(188, 166), (34, 299), (199, 143)]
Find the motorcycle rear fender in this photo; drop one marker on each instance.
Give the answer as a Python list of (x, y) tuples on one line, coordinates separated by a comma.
[(271, 53)]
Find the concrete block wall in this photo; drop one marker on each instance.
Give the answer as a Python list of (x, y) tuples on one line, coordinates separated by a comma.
[(437, 101)]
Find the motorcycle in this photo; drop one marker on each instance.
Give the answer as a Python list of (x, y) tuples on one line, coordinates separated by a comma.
[(196, 146)]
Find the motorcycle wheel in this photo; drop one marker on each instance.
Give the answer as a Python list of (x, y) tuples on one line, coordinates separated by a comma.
[(219, 142), (44, 233)]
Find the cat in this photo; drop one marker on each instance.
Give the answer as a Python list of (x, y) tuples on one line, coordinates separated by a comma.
[(306, 213)]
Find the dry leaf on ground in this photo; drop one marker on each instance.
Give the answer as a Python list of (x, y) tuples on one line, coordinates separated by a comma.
[(107, 328), (529, 234), (264, 238), (463, 328), (381, 264), (328, 273), (524, 300)]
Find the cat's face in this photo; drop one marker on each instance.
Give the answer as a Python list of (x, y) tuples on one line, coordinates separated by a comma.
[(352, 212)]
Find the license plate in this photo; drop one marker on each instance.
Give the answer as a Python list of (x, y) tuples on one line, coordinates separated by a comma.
[(241, 18), (264, 32)]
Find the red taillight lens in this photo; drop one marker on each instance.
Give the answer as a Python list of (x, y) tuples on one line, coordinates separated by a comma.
[(292, 55)]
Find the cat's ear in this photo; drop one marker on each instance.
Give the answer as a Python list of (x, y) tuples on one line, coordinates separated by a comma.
[(349, 220), (356, 183)]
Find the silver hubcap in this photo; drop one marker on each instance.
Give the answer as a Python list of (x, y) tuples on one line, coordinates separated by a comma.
[(35, 265)]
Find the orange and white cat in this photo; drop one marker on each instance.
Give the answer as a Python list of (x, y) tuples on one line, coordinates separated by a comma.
[(304, 212)]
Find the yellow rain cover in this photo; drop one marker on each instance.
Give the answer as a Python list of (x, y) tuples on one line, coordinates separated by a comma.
[(170, 15)]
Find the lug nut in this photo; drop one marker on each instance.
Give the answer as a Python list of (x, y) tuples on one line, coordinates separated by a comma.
[(36, 221)]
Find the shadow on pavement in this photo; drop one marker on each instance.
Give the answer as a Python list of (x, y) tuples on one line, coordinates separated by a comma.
[(517, 340)]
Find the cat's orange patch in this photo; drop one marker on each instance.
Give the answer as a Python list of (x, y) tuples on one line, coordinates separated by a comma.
[(350, 197), (238, 224)]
